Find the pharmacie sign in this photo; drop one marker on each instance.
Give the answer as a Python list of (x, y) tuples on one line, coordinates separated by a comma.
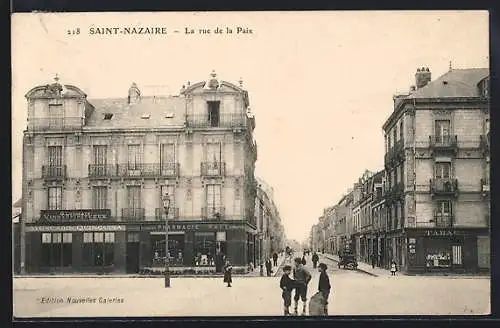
[(75, 215), (191, 227)]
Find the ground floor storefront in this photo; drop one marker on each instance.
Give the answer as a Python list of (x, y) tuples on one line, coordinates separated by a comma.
[(129, 247), (437, 250)]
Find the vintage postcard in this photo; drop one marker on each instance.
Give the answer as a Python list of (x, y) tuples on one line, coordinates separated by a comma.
[(250, 164)]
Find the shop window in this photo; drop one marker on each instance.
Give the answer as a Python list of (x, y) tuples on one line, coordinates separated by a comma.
[(204, 247), (57, 249), (438, 254), (98, 248)]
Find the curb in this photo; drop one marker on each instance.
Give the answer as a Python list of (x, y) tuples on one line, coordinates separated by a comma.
[(159, 276)]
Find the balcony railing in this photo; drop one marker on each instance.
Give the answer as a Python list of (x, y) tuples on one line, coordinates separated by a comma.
[(213, 212), (444, 186), (213, 169), (232, 120), (443, 220), (54, 172), (173, 213), (443, 143), (133, 214), (102, 170), (60, 123), (148, 170)]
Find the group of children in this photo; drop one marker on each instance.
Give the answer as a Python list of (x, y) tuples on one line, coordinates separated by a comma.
[(299, 282)]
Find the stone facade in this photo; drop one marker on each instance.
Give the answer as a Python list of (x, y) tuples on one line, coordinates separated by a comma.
[(123, 155)]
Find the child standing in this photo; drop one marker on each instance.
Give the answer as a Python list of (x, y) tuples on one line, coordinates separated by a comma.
[(324, 285), (228, 269), (393, 268), (287, 285), (302, 277)]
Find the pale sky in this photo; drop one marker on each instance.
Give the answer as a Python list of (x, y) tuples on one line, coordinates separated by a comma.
[(320, 83)]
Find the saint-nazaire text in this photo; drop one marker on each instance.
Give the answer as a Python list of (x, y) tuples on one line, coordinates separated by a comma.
[(135, 30)]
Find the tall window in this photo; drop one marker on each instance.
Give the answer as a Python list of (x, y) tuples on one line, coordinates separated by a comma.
[(167, 159), (213, 199), (214, 152), (443, 208), (55, 198), (395, 134), (442, 131), (55, 156), (170, 190), (100, 197), (100, 159), (57, 249), (213, 113), (401, 130), (134, 157), (388, 142), (98, 249), (443, 170), (134, 197)]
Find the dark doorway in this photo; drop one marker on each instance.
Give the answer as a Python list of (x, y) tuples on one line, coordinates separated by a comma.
[(214, 113), (133, 251)]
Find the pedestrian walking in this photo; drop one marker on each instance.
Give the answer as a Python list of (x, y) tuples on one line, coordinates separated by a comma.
[(393, 268), (324, 285), (315, 259), (303, 261), (302, 277), (269, 267), (275, 259), (374, 260), (287, 284), (228, 273)]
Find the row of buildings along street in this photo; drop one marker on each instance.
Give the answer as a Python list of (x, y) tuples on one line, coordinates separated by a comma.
[(95, 174), (428, 209)]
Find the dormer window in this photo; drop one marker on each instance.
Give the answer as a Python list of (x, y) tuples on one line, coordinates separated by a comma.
[(108, 116), (169, 115)]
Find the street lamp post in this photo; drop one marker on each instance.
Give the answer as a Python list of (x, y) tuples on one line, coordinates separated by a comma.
[(166, 205)]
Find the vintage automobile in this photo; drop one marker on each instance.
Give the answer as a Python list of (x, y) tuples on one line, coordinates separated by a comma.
[(347, 259)]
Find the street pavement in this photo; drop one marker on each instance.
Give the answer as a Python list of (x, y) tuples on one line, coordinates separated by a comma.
[(353, 293)]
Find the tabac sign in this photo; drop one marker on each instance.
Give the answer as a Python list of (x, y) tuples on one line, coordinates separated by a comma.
[(91, 215)]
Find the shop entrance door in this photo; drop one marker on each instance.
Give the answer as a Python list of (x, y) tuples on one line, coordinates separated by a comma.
[(133, 251)]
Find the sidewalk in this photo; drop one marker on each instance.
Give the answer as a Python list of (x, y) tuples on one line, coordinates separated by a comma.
[(254, 273), (377, 272)]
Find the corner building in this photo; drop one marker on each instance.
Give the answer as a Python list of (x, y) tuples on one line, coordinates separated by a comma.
[(94, 172), (437, 174)]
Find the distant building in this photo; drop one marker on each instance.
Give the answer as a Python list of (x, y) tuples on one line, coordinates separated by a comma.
[(437, 173), (95, 173)]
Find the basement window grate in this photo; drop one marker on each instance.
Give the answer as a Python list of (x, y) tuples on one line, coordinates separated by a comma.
[(108, 116)]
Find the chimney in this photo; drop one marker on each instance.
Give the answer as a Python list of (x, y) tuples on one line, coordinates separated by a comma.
[(134, 94), (422, 77)]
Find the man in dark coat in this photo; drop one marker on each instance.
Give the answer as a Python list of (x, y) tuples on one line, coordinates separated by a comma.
[(268, 267), (275, 259), (315, 259)]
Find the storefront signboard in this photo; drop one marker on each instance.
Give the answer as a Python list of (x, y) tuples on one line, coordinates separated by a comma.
[(174, 226), (75, 215), (75, 228), (439, 233)]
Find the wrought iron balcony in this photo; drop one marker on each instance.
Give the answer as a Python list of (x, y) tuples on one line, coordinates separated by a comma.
[(439, 143), (213, 212), (55, 124), (173, 213), (213, 169), (443, 220), (444, 187), (148, 170), (54, 172), (101, 171), (231, 120), (133, 214), (485, 186)]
